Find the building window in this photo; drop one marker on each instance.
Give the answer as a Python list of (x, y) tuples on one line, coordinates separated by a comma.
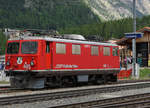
[(115, 51), (76, 49), (60, 48), (106, 51), (47, 47), (94, 50)]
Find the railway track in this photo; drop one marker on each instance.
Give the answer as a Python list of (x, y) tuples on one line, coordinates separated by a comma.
[(8, 89), (69, 93), (137, 101)]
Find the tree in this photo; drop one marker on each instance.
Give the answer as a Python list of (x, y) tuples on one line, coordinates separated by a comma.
[(3, 41)]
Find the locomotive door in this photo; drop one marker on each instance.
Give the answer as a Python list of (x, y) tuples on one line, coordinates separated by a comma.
[(48, 57)]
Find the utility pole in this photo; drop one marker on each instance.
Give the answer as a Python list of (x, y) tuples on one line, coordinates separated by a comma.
[(134, 40)]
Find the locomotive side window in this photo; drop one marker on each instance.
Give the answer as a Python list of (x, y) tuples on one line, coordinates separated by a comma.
[(115, 51), (60, 48), (13, 48), (47, 47), (106, 51), (94, 50), (76, 49), (29, 47)]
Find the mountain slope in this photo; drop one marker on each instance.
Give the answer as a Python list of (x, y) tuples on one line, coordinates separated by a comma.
[(47, 14), (58, 14), (116, 9)]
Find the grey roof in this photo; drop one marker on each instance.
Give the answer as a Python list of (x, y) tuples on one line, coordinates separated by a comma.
[(64, 40)]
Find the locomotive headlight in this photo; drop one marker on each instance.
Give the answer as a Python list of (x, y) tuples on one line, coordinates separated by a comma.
[(32, 63), (8, 63)]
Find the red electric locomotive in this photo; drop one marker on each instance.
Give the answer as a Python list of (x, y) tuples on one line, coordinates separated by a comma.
[(36, 62)]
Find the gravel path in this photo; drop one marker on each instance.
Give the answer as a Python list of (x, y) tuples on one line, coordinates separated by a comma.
[(56, 102)]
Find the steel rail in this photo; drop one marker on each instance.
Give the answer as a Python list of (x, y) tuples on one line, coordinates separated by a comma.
[(139, 100), (127, 101), (8, 89)]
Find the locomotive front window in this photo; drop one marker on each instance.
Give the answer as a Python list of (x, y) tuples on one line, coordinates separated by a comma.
[(13, 48), (29, 47)]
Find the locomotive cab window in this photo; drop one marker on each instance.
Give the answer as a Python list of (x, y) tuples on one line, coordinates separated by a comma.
[(13, 48), (106, 51), (115, 51), (60, 48), (94, 50), (76, 49), (29, 47), (47, 47)]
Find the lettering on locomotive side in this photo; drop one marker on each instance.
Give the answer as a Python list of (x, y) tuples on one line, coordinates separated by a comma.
[(66, 66), (107, 66)]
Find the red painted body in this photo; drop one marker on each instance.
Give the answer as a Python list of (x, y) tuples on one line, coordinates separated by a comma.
[(85, 60), (53, 61), (38, 62)]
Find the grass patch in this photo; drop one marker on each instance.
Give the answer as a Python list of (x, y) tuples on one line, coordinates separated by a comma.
[(4, 82), (144, 73)]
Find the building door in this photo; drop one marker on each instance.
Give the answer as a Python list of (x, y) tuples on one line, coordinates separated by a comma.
[(142, 54)]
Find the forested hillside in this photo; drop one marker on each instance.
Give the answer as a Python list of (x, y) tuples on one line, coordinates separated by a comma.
[(109, 29), (47, 14), (2, 42)]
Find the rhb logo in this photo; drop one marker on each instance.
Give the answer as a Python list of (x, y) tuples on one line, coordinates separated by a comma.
[(19, 60)]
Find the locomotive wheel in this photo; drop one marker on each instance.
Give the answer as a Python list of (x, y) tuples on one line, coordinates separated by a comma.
[(101, 80), (64, 82), (67, 82), (114, 78)]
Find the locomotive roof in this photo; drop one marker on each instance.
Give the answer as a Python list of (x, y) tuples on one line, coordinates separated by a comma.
[(64, 40)]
